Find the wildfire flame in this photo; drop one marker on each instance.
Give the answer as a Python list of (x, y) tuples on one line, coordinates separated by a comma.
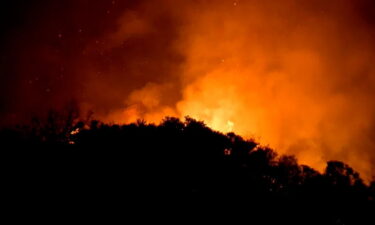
[(295, 75), (261, 71)]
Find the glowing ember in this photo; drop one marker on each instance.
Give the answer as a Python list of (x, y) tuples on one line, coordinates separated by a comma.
[(74, 132)]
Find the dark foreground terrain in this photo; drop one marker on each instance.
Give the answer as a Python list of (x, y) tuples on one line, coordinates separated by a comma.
[(182, 170)]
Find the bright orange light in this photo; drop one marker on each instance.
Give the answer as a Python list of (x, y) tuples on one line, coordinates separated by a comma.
[(279, 72)]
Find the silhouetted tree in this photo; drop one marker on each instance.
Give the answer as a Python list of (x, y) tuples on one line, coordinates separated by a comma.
[(63, 160)]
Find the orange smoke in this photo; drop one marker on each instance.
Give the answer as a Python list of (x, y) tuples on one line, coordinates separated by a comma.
[(297, 75), (294, 75)]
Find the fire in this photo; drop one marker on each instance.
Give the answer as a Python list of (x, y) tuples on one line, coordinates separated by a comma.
[(295, 75), (75, 131), (267, 73), (230, 125)]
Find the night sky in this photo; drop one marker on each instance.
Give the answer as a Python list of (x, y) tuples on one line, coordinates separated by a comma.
[(49, 48)]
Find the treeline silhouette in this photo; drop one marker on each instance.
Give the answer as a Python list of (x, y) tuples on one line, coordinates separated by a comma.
[(70, 163)]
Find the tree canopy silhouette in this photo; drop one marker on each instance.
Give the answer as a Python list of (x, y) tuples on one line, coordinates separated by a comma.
[(64, 160)]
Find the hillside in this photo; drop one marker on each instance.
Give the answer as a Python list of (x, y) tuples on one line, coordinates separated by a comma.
[(61, 163)]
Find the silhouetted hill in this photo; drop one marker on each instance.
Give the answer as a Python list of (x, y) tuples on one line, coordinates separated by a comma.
[(182, 165)]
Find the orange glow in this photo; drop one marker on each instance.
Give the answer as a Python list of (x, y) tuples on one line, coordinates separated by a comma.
[(273, 71), (297, 75)]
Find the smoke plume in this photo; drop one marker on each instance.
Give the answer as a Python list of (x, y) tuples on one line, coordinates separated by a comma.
[(296, 75)]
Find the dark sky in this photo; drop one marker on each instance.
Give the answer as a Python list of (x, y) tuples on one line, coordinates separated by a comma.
[(55, 51)]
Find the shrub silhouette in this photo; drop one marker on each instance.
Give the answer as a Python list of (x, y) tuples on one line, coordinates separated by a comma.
[(64, 161)]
